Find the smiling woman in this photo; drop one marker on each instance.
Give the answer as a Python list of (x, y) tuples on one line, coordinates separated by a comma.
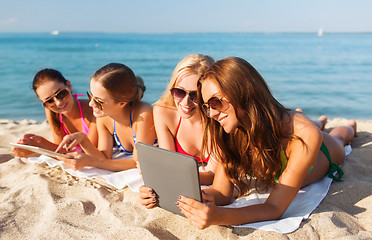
[(257, 140), (177, 114), (65, 113), (122, 120)]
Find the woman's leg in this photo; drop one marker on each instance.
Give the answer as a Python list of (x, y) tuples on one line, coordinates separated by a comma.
[(320, 122), (335, 142)]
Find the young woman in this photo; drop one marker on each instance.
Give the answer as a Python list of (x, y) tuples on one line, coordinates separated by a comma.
[(122, 119), (252, 134), (64, 112), (178, 120)]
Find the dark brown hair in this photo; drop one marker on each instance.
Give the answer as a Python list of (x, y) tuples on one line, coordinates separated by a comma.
[(40, 78), (253, 149), (120, 81)]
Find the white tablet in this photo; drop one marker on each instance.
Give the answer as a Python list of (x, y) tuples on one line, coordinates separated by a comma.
[(169, 174), (39, 150)]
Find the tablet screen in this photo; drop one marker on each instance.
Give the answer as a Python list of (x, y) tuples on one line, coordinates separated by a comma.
[(39, 150)]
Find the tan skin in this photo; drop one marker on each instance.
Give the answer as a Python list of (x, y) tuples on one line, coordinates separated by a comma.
[(101, 157), (166, 122), (295, 176), (69, 109)]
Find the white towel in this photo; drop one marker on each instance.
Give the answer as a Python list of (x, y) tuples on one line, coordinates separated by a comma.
[(131, 178), (305, 202), (307, 199)]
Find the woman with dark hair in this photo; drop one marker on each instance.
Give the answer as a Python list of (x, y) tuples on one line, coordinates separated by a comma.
[(257, 141), (64, 112), (122, 119)]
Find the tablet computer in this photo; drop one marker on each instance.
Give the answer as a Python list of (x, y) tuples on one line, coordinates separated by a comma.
[(39, 150), (169, 174)]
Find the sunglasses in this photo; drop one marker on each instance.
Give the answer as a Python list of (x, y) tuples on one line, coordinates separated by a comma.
[(60, 95), (218, 104), (180, 94), (97, 102)]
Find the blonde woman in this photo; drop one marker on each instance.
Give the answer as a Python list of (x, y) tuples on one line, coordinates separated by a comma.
[(178, 119)]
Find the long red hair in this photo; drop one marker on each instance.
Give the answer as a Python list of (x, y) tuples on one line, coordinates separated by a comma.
[(253, 149)]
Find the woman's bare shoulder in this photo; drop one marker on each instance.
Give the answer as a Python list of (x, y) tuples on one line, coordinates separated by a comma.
[(165, 111)]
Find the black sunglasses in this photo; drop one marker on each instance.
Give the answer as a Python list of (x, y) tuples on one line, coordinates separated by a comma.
[(180, 94), (60, 95), (218, 104)]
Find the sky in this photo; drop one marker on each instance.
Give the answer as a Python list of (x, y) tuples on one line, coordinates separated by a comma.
[(175, 16)]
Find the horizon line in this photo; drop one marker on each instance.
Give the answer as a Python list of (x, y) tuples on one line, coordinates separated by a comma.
[(196, 32)]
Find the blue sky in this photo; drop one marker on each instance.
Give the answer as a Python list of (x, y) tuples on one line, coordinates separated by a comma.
[(170, 16)]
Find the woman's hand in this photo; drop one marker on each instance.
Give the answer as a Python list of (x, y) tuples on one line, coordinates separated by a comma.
[(76, 160), (28, 139), (148, 197), (202, 215), (70, 141)]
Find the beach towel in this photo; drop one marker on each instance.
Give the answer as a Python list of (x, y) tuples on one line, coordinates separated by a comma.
[(307, 199), (131, 178), (305, 202)]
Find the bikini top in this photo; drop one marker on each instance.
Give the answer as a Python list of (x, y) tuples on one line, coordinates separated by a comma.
[(116, 138), (284, 161), (83, 123), (179, 149)]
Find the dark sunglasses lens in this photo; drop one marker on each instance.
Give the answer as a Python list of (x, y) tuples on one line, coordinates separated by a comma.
[(89, 95), (215, 103), (62, 94), (193, 96), (178, 93), (206, 109)]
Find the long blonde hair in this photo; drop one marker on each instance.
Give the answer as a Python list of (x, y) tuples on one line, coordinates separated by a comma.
[(192, 64)]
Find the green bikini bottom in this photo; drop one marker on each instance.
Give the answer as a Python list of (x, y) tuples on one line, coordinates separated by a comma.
[(333, 167)]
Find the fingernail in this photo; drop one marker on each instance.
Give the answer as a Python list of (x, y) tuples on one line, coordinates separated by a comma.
[(154, 200), (177, 203), (179, 197), (150, 190)]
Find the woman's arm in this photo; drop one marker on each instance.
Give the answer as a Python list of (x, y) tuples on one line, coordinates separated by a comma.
[(56, 133), (162, 118), (144, 127), (93, 133), (206, 177), (301, 158)]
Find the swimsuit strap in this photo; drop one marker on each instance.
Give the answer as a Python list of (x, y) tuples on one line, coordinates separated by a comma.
[(117, 140), (83, 123), (178, 127), (131, 126), (63, 125), (333, 167)]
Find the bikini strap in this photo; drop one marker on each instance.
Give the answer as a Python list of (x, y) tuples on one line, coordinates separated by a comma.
[(178, 127), (76, 97), (333, 167), (62, 124)]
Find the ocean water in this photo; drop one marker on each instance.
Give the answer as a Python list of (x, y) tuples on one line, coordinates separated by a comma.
[(329, 75)]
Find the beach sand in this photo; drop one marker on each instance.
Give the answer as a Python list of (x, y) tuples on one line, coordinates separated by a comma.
[(40, 202)]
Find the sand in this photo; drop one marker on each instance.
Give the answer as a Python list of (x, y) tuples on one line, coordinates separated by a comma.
[(40, 202)]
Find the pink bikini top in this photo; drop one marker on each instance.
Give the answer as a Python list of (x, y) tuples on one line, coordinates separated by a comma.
[(179, 149), (83, 123)]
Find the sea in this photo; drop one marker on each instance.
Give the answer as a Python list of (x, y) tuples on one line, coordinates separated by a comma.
[(329, 74)]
